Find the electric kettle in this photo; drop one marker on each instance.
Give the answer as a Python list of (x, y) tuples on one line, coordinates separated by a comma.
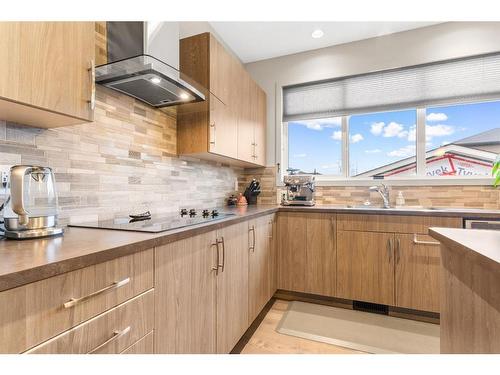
[(31, 209)]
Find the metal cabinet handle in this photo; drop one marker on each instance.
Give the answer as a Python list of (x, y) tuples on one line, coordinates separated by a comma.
[(398, 250), (416, 241), (74, 301), (221, 241), (252, 247), (271, 222), (389, 248), (223, 253), (116, 335), (91, 70), (212, 126), (216, 267)]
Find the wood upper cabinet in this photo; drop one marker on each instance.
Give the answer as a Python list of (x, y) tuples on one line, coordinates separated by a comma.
[(44, 76), (230, 125), (365, 266), (417, 272), (185, 303), (260, 261), (232, 286), (306, 253)]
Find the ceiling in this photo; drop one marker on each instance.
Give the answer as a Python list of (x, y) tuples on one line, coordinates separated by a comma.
[(253, 41)]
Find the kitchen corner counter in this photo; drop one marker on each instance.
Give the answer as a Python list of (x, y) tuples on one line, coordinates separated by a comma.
[(27, 261), (480, 244)]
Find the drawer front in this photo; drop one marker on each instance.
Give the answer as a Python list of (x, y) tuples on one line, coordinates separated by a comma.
[(109, 333), (143, 346), (394, 223), (36, 312)]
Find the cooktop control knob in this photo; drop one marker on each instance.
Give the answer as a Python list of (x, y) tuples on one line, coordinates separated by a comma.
[(184, 211), (215, 213), (192, 212), (206, 213)]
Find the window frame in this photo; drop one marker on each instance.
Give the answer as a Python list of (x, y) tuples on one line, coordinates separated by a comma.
[(420, 179)]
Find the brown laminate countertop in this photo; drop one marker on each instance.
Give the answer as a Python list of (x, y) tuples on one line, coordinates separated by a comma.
[(483, 245), (23, 262)]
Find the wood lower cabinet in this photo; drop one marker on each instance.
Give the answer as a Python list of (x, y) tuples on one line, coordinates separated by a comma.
[(321, 256), (365, 266), (185, 304), (232, 286), (109, 333), (44, 76), (417, 273), (306, 253), (260, 261), (292, 239)]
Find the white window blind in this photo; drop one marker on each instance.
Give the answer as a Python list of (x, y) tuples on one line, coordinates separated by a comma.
[(457, 81)]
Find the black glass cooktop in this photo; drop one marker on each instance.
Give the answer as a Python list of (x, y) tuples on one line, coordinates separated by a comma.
[(156, 224)]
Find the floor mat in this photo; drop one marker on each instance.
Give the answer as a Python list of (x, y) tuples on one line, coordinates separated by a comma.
[(367, 332)]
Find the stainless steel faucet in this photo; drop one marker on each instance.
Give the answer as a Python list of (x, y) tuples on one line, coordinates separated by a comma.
[(384, 193)]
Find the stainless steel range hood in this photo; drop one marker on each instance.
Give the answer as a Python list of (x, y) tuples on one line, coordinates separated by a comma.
[(143, 62)]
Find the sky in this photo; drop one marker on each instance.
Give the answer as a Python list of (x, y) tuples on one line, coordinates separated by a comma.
[(382, 138)]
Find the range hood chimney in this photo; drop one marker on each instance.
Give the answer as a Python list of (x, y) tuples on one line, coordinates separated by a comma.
[(143, 62)]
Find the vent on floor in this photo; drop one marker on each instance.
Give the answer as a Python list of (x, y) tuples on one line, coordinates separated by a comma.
[(370, 307)]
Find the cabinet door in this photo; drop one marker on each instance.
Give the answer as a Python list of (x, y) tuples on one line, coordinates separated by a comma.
[(260, 127), (259, 275), (232, 286), (45, 65), (292, 251), (245, 121), (220, 68), (185, 303), (320, 254), (223, 129), (417, 273), (365, 266)]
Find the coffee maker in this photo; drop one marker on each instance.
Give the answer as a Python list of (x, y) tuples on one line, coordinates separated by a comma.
[(299, 190), (30, 210)]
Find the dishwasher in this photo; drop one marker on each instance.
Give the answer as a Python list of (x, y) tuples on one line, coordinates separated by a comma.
[(492, 224)]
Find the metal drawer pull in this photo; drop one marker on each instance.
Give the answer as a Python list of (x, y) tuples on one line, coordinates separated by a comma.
[(216, 267), (74, 301), (223, 254), (92, 85), (116, 335), (252, 247), (416, 241), (212, 142)]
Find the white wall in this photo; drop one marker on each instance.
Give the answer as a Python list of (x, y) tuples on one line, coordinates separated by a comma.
[(433, 43)]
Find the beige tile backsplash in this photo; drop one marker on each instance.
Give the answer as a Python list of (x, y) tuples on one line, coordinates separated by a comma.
[(485, 197), (124, 161)]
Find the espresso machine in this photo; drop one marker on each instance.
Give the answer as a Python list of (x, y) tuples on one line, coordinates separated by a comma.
[(299, 190), (30, 209)]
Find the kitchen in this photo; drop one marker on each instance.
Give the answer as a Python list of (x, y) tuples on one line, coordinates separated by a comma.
[(177, 187)]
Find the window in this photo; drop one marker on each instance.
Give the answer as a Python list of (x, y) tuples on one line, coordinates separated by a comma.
[(315, 147), (379, 141), (462, 140), (432, 121)]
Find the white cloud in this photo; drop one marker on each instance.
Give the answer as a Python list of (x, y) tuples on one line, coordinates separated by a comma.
[(355, 138), (412, 133), (374, 151), (436, 117), (321, 124), (299, 155), (403, 152), (377, 127), (393, 129), (337, 135), (439, 130)]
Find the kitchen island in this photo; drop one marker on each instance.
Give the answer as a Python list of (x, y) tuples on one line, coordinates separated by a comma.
[(470, 290)]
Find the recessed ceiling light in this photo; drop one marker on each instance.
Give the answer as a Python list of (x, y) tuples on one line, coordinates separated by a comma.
[(184, 96), (155, 80), (316, 34)]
